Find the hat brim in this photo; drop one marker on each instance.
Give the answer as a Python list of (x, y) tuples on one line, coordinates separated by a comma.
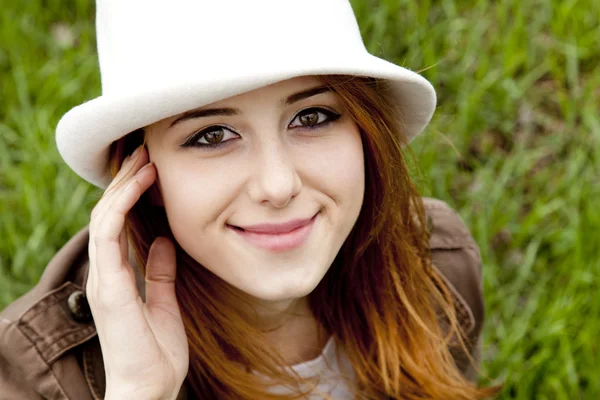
[(85, 133)]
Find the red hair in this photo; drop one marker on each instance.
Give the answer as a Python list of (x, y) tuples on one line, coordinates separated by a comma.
[(387, 309)]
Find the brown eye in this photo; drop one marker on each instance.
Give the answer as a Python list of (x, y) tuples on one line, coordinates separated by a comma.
[(211, 137), (215, 136), (314, 118), (309, 119)]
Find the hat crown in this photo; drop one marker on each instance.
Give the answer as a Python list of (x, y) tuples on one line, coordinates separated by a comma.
[(165, 42), (159, 58)]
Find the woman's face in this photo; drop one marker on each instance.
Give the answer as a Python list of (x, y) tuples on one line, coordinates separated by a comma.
[(285, 153)]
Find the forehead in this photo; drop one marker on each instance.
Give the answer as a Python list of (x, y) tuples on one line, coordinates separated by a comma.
[(276, 91)]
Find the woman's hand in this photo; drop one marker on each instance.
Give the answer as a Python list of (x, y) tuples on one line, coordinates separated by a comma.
[(144, 345)]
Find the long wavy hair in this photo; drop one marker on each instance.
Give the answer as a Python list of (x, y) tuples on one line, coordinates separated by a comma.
[(388, 311)]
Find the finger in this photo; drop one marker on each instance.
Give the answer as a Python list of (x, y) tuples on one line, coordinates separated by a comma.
[(129, 168), (160, 275), (131, 164), (107, 239), (127, 171), (99, 214)]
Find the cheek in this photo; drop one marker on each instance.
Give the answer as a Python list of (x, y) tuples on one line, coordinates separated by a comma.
[(337, 166), (194, 194)]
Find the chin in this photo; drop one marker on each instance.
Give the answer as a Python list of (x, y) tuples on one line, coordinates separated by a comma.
[(281, 292)]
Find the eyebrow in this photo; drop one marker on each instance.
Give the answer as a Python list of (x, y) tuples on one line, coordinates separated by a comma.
[(211, 112), (304, 94)]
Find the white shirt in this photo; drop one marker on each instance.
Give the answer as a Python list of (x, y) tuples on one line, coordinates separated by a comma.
[(328, 371)]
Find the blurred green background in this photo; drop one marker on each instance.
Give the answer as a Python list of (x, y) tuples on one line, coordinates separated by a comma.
[(514, 146)]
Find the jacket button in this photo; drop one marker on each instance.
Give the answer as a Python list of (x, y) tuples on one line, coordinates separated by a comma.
[(79, 307)]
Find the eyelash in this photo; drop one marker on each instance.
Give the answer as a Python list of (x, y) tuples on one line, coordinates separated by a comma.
[(331, 116)]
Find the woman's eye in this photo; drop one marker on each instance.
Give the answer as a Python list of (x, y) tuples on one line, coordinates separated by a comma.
[(313, 117), (213, 136), (217, 136)]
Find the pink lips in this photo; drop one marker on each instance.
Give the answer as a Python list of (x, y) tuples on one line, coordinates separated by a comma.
[(278, 237)]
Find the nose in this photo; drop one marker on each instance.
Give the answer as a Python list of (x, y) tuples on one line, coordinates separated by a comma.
[(275, 179)]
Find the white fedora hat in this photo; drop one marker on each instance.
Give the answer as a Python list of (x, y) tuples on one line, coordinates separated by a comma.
[(159, 58)]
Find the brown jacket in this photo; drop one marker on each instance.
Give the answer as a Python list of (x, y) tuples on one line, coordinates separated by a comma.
[(48, 343)]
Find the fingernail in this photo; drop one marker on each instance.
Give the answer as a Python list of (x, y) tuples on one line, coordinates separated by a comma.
[(143, 168)]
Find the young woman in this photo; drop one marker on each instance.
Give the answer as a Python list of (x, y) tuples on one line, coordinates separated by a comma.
[(252, 156)]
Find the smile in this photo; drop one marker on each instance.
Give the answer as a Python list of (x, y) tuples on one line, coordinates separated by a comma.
[(277, 242)]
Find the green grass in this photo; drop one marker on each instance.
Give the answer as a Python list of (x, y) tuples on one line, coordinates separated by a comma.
[(514, 146)]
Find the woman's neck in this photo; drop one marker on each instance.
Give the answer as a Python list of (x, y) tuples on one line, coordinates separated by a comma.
[(300, 339), (292, 329)]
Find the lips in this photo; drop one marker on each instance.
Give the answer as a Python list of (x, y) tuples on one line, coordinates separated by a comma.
[(274, 229), (277, 237)]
